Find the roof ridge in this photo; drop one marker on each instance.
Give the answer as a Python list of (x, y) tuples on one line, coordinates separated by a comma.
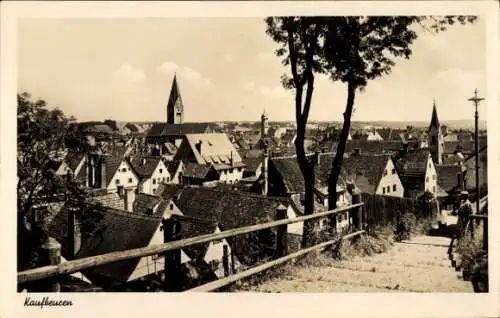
[(128, 214)]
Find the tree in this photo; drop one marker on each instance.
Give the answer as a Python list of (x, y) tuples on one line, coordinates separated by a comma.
[(112, 124), (352, 50), (43, 137), (299, 39)]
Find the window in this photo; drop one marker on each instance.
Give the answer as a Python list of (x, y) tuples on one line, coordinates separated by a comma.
[(393, 187), (434, 189), (393, 171), (433, 177), (383, 190), (154, 190), (168, 179), (124, 169), (388, 189), (154, 181), (163, 179), (429, 165), (161, 170), (427, 179), (130, 180), (214, 265), (117, 181), (385, 172)]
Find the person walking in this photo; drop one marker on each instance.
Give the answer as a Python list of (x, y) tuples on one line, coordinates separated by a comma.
[(464, 212)]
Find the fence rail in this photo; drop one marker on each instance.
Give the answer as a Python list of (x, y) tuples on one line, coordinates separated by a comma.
[(260, 268), (74, 266)]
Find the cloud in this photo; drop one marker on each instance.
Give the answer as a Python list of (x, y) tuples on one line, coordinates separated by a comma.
[(229, 58), (276, 92), (131, 74), (168, 67), (185, 73), (250, 86)]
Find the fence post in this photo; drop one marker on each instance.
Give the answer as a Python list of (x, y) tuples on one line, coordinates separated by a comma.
[(357, 213), (225, 260), (282, 231), (172, 232), (50, 254), (485, 234)]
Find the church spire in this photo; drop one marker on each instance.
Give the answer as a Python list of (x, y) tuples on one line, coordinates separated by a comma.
[(175, 107), (434, 119)]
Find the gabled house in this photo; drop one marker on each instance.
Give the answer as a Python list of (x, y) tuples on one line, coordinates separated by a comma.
[(374, 174), (113, 233), (152, 171), (418, 172), (233, 209), (110, 173), (214, 151)]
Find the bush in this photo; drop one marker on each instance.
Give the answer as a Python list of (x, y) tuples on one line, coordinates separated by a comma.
[(405, 225)]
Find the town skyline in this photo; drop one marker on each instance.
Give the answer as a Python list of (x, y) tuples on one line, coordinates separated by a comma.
[(134, 72)]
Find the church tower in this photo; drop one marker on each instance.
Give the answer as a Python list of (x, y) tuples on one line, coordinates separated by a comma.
[(436, 141), (175, 108), (264, 124)]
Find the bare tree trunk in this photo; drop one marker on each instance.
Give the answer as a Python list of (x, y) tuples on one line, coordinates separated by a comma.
[(339, 156), (307, 168)]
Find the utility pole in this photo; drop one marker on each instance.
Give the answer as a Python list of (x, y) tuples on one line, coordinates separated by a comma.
[(476, 100)]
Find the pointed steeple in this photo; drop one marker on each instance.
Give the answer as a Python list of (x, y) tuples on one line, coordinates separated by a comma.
[(175, 107), (434, 119)]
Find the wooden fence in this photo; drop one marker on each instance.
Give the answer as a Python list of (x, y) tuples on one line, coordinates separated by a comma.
[(382, 210), (47, 276)]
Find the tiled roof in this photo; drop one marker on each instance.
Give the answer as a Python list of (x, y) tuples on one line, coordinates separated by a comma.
[(251, 153), (215, 148), (230, 209), (145, 165), (242, 143), (195, 170), (172, 166), (163, 129), (143, 203), (413, 161), (367, 146), (252, 164), (466, 146), (192, 227), (292, 177), (110, 200), (366, 171), (112, 164), (389, 134), (447, 176), (114, 233)]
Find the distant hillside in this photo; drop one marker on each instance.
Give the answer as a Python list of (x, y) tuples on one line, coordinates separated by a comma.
[(453, 124)]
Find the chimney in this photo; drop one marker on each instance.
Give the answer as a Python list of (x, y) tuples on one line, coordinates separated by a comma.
[(103, 173), (198, 146), (128, 199), (74, 234), (231, 158), (265, 163)]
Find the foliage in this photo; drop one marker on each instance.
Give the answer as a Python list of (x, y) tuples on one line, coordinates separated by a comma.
[(44, 136), (350, 49), (406, 222), (112, 124)]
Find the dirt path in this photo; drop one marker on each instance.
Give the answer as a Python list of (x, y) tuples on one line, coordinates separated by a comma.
[(419, 265)]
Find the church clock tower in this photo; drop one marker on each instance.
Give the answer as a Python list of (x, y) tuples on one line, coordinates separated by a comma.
[(436, 141), (175, 107)]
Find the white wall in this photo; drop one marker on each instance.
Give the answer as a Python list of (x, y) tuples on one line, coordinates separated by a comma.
[(430, 176), (231, 175), (123, 178), (159, 175), (390, 178)]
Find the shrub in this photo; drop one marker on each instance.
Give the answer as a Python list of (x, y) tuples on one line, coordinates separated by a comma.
[(406, 223)]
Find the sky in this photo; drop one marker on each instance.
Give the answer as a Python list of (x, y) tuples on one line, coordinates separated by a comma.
[(122, 69)]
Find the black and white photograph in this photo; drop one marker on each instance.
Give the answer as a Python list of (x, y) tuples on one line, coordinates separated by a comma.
[(264, 154)]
